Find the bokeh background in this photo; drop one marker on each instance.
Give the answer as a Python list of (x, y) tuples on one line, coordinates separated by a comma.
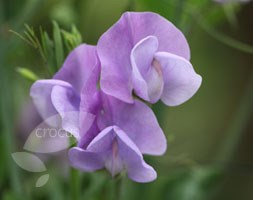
[(210, 137)]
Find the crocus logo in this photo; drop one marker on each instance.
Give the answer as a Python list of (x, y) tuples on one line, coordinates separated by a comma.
[(48, 137)]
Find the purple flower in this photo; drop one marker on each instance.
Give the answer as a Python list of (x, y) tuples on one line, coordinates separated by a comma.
[(60, 96), (123, 132), (142, 53), (146, 54), (111, 134)]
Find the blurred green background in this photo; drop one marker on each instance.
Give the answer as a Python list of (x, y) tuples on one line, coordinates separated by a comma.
[(210, 137)]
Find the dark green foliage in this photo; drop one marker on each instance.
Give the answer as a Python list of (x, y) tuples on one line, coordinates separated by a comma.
[(53, 50)]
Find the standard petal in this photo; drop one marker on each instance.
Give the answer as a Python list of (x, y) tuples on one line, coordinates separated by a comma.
[(115, 46), (170, 38), (181, 82), (78, 66), (114, 49), (134, 163), (138, 121), (41, 94), (85, 160), (67, 102)]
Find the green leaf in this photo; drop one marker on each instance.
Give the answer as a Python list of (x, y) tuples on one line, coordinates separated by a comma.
[(28, 74), (72, 39), (77, 35), (47, 48), (59, 54), (53, 50), (21, 37), (30, 34)]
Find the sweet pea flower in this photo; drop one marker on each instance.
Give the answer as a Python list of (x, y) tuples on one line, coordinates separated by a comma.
[(119, 135), (147, 55), (65, 87), (111, 134), (123, 132)]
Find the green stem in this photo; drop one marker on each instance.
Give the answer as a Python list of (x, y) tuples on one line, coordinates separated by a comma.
[(225, 39), (243, 112), (193, 12), (75, 178), (75, 184), (117, 187)]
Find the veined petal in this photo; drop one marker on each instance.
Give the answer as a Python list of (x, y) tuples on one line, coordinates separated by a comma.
[(181, 82), (115, 46)]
